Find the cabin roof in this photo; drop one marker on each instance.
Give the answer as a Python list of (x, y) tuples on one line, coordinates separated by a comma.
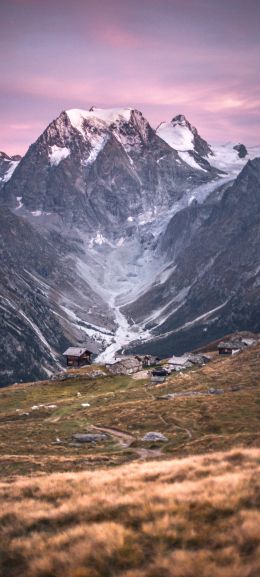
[(142, 357), (231, 345), (178, 360), (248, 342), (159, 373), (91, 347), (125, 360)]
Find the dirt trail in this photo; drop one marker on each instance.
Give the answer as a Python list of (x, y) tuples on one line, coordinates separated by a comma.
[(187, 431), (125, 440)]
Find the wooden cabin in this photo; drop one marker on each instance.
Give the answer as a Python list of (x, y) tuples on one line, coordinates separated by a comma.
[(230, 347), (80, 356)]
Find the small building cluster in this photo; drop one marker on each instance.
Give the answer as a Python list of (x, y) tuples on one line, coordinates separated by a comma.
[(125, 366), (233, 346), (186, 361), (128, 365)]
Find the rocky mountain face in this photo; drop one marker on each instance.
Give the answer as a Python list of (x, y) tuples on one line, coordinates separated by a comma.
[(98, 168), (35, 289), (8, 165), (184, 138), (212, 250), (193, 149), (114, 231)]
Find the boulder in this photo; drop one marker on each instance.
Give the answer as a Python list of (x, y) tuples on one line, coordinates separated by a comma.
[(89, 437), (154, 436)]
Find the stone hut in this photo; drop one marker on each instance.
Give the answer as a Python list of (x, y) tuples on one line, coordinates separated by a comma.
[(125, 366)]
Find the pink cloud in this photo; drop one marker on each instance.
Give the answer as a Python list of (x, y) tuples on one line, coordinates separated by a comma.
[(162, 56), (116, 37)]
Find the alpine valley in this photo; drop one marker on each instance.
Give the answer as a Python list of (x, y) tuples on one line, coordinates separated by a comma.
[(141, 239)]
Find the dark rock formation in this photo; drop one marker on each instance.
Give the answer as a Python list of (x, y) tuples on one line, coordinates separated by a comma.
[(241, 149)]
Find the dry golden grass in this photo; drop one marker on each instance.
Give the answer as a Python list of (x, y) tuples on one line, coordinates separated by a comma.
[(195, 517)]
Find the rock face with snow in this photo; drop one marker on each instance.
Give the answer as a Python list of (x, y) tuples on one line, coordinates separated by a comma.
[(193, 149), (8, 165), (184, 138), (35, 290), (114, 231), (98, 168), (214, 288)]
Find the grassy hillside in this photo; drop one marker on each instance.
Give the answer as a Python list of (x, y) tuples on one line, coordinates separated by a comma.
[(39, 439), (191, 517)]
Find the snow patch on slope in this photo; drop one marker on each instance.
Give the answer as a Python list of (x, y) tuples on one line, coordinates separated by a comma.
[(180, 137), (177, 136), (226, 157), (10, 171), (189, 159), (57, 154), (20, 203), (111, 115), (97, 142), (106, 116), (99, 239)]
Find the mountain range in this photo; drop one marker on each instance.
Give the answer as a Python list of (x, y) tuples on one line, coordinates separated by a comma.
[(140, 239)]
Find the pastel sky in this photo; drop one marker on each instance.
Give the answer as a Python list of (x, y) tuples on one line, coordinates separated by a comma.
[(200, 58)]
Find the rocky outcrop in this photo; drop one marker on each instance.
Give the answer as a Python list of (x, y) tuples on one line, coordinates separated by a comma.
[(241, 149), (8, 165), (90, 437), (154, 437)]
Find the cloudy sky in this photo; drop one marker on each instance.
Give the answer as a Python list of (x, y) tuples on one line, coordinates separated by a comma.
[(195, 57)]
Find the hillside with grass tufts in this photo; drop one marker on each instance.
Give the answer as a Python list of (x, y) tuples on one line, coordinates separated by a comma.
[(86, 491), (188, 517), (215, 407)]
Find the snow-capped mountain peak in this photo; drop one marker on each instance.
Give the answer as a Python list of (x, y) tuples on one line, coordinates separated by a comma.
[(111, 115), (107, 116), (182, 121), (127, 125), (177, 135), (182, 136)]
